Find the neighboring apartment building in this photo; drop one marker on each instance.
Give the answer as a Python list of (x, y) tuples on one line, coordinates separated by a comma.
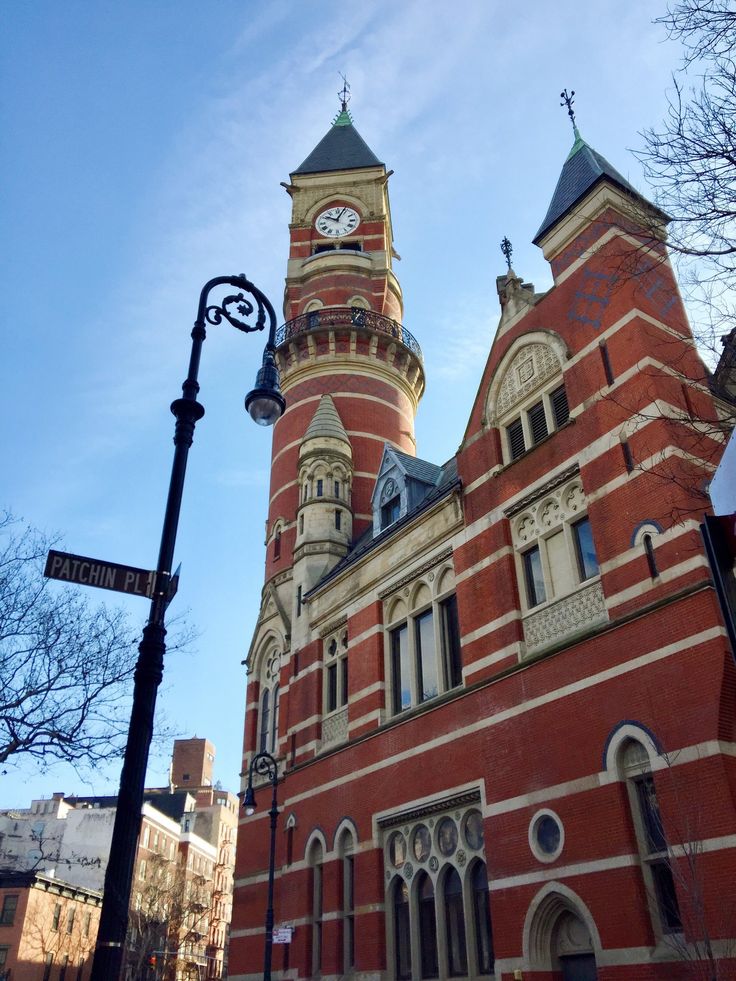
[(181, 901), (47, 928), (498, 688)]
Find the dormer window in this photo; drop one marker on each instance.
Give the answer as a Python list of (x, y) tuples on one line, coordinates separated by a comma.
[(390, 504)]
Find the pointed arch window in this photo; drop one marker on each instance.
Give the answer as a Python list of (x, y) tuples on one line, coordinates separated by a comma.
[(427, 926), (482, 919), (347, 910), (315, 862), (265, 720), (402, 930), (457, 955)]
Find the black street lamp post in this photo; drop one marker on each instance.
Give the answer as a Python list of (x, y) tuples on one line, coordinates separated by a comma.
[(265, 765), (265, 405)]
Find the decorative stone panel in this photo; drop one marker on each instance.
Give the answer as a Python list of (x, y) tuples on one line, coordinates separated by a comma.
[(567, 616), (531, 367), (335, 728)]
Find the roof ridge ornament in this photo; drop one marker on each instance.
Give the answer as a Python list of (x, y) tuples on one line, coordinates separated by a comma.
[(507, 249), (343, 118), (568, 100)]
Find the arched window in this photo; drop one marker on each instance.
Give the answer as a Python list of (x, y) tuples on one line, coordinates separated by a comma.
[(273, 742), (457, 955), (427, 926), (656, 859), (265, 715), (402, 929), (315, 862), (347, 910), (277, 544), (482, 919), (268, 719)]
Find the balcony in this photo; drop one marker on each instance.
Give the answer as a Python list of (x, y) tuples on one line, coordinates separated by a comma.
[(350, 317)]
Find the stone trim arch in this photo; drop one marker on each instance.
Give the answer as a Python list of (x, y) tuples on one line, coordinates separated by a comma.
[(316, 836), (357, 203), (547, 338), (345, 826), (647, 527), (629, 729), (550, 903)]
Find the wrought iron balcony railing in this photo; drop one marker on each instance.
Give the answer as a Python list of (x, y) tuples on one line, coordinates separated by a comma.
[(347, 317)]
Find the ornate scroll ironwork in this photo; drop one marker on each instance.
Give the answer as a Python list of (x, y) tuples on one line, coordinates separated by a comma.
[(348, 317), (236, 307)]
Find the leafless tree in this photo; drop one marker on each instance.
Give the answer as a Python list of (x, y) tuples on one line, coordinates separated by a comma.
[(690, 161), (169, 921), (65, 665)]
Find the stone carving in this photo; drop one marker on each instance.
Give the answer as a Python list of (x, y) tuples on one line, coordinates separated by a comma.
[(532, 366), (434, 863), (565, 502), (335, 728), (408, 870), (566, 616)]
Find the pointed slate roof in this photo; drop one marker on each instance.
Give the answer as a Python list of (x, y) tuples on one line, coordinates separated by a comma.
[(583, 169), (326, 422), (342, 148)]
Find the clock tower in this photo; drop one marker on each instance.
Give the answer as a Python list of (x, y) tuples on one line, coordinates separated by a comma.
[(342, 338)]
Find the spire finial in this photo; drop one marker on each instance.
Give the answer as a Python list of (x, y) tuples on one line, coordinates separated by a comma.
[(344, 93), (507, 250), (568, 100)]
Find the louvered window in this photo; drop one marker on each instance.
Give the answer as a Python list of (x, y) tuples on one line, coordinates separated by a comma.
[(537, 422), (516, 439), (560, 408)]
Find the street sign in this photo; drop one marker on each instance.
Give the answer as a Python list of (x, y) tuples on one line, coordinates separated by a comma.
[(105, 575), (282, 935)]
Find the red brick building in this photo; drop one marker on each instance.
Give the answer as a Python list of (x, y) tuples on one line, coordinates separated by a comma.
[(499, 689)]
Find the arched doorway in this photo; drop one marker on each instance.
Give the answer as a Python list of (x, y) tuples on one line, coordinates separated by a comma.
[(560, 935)]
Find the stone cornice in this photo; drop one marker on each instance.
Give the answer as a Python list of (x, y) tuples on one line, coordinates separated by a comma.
[(409, 814), (540, 491), (446, 553), (332, 626)]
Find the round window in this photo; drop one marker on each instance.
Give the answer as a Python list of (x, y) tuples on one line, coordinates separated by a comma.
[(546, 836), (422, 842), (397, 849), (447, 836), (473, 830)]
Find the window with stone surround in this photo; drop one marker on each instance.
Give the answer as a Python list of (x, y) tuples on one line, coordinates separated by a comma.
[(423, 641), (268, 703), (527, 399), (438, 919), (346, 848), (556, 562), (335, 687), (655, 856)]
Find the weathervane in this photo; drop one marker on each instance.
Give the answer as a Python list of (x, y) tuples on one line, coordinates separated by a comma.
[(507, 250), (567, 100), (344, 93)]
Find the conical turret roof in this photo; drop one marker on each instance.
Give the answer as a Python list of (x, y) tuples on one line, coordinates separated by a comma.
[(583, 169), (326, 422), (341, 148)]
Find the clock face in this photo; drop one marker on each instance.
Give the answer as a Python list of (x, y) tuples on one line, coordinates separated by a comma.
[(338, 221)]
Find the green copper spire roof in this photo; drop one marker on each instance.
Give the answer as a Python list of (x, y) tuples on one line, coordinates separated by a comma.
[(342, 148)]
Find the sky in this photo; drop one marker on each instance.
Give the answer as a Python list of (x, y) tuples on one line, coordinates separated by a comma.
[(144, 145)]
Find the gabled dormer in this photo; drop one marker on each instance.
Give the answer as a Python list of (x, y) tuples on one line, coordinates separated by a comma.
[(402, 483)]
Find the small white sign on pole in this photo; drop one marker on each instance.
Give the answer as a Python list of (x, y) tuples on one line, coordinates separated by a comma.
[(282, 935)]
